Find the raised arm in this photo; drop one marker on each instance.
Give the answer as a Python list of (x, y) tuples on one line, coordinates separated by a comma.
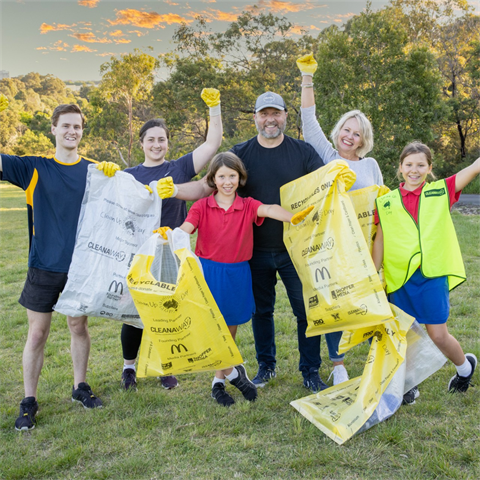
[(307, 66), (204, 153), (465, 176)]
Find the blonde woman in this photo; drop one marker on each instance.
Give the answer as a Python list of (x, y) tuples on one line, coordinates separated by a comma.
[(352, 139)]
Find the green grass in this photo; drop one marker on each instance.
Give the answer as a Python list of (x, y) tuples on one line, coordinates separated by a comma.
[(182, 434)]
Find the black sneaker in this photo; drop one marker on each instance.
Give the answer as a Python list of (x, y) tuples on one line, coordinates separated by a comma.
[(461, 384), (129, 379), (28, 410), (244, 384), (410, 396), (313, 382), (84, 395), (169, 382), (221, 396), (263, 375)]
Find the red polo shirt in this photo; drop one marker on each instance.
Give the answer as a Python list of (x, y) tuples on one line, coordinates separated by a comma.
[(225, 235), (411, 199)]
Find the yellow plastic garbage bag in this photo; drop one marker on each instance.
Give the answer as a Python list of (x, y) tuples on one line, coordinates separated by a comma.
[(363, 201), (184, 330), (341, 287), (400, 358), (340, 411)]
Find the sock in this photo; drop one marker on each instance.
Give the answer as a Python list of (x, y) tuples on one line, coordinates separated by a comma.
[(233, 375), (465, 369), (217, 380), (129, 366)]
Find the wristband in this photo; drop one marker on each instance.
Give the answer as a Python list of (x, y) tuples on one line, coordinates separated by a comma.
[(305, 74), (175, 191), (307, 85), (215, 111)]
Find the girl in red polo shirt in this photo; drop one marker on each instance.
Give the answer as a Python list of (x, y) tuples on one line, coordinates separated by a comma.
[(417, 243), (224, 245)]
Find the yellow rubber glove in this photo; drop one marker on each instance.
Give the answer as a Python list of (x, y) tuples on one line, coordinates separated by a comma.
[(307, 64), (108, 168), (300, 216), (162, 231), (149, 188), (211, 96), (166, 188), (3, 102)]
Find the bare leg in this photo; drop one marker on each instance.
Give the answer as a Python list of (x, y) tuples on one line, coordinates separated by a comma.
[(80, 347), (38, 331), (446, 343)]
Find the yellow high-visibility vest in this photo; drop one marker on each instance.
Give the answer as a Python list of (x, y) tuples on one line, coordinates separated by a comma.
[(431, 244)]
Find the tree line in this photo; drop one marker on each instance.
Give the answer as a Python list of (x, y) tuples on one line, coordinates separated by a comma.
[(412, 67)]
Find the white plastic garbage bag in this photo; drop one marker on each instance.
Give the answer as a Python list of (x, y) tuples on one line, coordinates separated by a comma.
[(118, 215)]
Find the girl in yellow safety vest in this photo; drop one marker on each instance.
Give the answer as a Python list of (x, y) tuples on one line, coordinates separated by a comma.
[(417, 243)]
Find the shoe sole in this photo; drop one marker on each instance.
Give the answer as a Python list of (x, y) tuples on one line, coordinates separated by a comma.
[(471, 355), (169, 388), (260, 385), (85, 407), (24, 429)]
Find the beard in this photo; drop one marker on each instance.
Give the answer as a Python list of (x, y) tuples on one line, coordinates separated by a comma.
[(263, 133)]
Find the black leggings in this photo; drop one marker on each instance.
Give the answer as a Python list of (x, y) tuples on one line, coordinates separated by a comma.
[(131, 339)]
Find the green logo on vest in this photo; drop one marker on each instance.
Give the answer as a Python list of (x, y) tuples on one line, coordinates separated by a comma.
[(438, 192)]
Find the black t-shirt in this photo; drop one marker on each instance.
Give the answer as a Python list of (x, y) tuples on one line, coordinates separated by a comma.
[(268, 169)]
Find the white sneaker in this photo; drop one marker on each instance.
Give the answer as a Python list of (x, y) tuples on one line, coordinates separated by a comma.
[(340, 374)]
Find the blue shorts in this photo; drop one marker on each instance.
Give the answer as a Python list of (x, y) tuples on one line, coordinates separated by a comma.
[(231, 287), (426, 299)]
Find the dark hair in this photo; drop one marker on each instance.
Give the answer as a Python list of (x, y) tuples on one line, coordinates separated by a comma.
[(411, 149), (155, 122), (229, 160), (66, 108)]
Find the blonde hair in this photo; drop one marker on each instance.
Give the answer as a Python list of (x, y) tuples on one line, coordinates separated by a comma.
[(411, 149), (366, 131)]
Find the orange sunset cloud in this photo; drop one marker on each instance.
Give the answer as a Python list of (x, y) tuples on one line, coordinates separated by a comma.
[(278, 6), (88, 3), (142, 19), (82, 48), (117, 33), (221, 16), (45, 28), (90, 38)]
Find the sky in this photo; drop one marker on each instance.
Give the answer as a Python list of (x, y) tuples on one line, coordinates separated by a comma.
[(72, 38)]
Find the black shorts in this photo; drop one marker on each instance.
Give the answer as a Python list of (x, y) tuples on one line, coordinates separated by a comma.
[(42, 289)]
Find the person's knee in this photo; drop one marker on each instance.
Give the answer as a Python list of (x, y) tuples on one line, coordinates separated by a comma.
[(37, 337), (439, 338), (78, 326)]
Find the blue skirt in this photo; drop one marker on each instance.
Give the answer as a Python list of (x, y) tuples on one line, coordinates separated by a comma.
[(231, 287), (426, 299)]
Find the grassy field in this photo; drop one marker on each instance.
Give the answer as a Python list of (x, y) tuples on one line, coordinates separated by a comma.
[(183, 434)]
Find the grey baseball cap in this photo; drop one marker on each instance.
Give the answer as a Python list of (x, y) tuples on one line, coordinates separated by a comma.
[(269, 99)]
